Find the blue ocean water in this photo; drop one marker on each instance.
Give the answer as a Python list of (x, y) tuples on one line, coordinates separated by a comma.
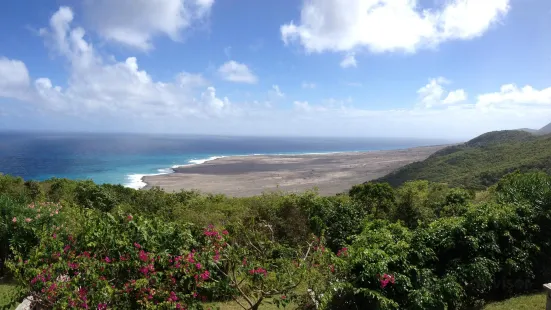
[(125, 158)]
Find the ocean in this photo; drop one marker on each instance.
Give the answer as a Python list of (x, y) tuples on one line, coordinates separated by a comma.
[(126, 158)]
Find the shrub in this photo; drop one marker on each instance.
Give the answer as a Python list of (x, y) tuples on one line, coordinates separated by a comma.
[(377, 199), (121, 262)]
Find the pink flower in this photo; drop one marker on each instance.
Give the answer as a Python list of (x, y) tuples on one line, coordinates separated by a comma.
[(28, 220), (107, 259), (137, 245), (342, 252), (224, 232), (205, 275), (14, 220), (198, 265), (259, 270), (54, 236), (143, 256), (385, 279), (129, 217), (102, 306), (82, 292), (173, 297)]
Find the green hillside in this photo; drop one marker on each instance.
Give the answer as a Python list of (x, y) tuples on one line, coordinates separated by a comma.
[(481, 161)]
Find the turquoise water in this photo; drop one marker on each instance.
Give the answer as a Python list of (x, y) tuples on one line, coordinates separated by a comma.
[(126, 158)]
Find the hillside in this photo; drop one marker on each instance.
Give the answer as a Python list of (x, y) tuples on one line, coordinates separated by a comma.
[(481, 161), (545, 129), (542, 131)]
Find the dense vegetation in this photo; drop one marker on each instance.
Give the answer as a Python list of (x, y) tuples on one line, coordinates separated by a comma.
[(480, 162), (423, 245)]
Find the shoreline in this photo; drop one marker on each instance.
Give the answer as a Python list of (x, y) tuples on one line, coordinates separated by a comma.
[(248, 175)]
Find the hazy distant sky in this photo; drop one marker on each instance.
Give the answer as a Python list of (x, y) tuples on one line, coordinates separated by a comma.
[(425, 68)]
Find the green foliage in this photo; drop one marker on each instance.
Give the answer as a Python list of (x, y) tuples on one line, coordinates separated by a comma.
[(121, 262), (421, 202), (90, 195), (337, 221), (11, 295), (377, 199), (422, 245), (480, 162)]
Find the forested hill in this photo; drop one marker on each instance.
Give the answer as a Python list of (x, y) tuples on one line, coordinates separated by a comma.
[(481, 161)]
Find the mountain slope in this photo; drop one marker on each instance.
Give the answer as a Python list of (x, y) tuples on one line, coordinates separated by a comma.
[(545, 130), (480, 162)]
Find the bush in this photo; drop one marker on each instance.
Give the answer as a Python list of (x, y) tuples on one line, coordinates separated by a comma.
[(377, 199), (121, 262)]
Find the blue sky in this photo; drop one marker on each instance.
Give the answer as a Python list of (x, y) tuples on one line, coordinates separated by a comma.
[(429, 68)]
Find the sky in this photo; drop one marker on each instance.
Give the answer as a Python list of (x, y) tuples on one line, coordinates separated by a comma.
[(361, 68)]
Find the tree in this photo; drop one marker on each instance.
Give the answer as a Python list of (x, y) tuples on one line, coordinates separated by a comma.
[(376, 198)]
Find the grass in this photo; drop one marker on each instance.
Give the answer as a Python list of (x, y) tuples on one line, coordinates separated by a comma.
[(529, 302), (232, 305), (6, 293)]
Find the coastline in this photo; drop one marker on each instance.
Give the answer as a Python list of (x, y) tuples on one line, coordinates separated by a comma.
[(248, 175)]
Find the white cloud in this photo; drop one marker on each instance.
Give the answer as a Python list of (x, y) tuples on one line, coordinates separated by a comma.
[(277, 92), (349, 61), (186, 79), (14, 78), (510, 94), (455, 96), (96, 84), (215, 105), (308, 85), (389, 25), (237, 72), (302, 106), (136, 22), (432, 94)]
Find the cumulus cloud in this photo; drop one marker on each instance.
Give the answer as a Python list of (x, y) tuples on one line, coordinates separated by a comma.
[(455, 96), (187, 79), (432, 94), (96, 84), (389, 25), (135, 23), (237, 72), (214, 104), (349, 61), (510, 94), (14, 78)]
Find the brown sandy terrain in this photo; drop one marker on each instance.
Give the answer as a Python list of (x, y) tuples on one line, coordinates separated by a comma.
[(252, 175)]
